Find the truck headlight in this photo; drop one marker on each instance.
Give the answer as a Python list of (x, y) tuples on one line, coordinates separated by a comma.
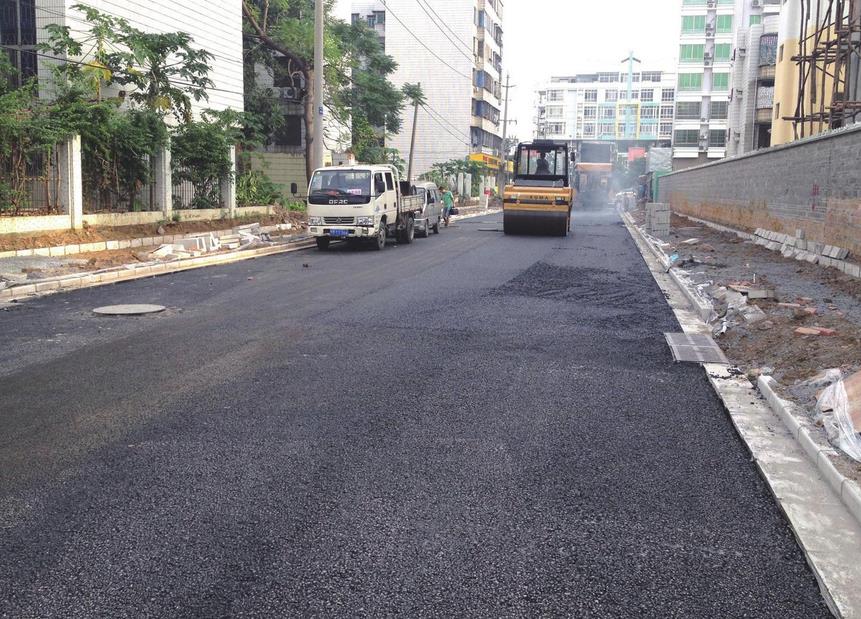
[(365, 221), (315, 221)]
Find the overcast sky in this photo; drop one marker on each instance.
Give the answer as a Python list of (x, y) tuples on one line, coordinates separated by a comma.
[(559, 37)]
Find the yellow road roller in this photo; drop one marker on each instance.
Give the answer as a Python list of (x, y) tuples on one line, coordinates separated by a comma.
[(540, 198)]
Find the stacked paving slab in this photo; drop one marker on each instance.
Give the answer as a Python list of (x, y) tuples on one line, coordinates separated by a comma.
[(658, 219)]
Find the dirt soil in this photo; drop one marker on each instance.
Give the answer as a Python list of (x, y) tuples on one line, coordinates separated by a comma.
[(95, 234), (824, 298)]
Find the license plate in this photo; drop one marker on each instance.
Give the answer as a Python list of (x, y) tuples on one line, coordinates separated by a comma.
[(339, 232)]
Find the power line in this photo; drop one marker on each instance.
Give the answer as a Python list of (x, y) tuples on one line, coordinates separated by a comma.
[(433, 53), (455, 41)]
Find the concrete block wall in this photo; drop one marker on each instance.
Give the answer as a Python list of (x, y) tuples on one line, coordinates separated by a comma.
[(812, 185), (283, 169)]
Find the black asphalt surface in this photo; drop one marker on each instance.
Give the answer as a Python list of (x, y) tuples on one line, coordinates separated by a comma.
[(471, 426)]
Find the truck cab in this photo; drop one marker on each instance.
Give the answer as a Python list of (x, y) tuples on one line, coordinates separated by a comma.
[(362, 202)]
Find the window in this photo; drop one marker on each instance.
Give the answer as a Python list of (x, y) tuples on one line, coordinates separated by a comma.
[(555, 128), (688, 110), (755, 19), (608, 77), (720, 81), (667, 111), (372, 21), (355, 18), (553, 111), (647, 95), (780, 54), (378, 181), (719, 110), (690, 81), (777, 110), (768, 50), (18, 34), (668, 94), (666, 129), (686, 137), (607, 129), (650, 112), (694, 2), (590, 112), (650, 130), (611, 95), (691, 52), (724, 24), (554, 95), (652, 76), (717, 138), (608, 112), (723, 52), (589, 130), (693, 24), (380, 17), (390, 182), (290, 133), (590, 95)]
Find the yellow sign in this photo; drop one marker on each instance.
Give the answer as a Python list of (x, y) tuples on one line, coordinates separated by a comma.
[(489, 160)]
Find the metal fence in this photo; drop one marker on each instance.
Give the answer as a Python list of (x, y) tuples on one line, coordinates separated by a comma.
[(107, 195), (185, 196), (30, 185)]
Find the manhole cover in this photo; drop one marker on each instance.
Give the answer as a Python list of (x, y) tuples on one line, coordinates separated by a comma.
[(128, 310)]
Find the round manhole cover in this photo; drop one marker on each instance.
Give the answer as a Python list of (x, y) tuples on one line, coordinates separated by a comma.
[(128, 310)]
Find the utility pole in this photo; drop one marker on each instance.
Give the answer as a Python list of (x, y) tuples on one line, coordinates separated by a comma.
[(413, 139), (629, 134), (503, 167), (319, 24)]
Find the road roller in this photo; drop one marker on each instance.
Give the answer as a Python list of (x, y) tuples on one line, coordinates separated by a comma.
[(540, 198)]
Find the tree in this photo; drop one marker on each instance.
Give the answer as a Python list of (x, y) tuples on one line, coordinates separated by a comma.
[(357, 90), (145, 63), (416, 97)]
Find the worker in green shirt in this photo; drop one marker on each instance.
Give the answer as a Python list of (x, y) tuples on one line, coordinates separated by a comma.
[(448, 204)]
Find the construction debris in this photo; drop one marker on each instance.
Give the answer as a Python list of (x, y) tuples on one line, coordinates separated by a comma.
[(194, 245), (840, 409), (814, 331)]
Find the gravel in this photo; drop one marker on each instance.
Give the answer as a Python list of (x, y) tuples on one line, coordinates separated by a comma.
[(475, 425)]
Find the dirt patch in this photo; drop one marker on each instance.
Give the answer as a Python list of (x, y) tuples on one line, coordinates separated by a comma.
[(805, 295), (96, 234)]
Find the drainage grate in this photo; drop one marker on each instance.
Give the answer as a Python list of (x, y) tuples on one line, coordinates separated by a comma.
[(695, 348)]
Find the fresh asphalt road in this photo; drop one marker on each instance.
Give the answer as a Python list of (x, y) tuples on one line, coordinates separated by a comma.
[(474, 425)]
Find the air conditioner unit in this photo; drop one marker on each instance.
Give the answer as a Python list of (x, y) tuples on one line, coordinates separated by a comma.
[(711, 4), (710, 31), (755, 4)]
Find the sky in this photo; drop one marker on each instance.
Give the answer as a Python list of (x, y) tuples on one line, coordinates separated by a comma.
[(560, 37)]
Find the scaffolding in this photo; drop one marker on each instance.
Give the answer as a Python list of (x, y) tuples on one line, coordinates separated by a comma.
[(829, 66)]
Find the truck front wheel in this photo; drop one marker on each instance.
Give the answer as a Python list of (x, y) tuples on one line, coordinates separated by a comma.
[(322, 243), (380, 241)]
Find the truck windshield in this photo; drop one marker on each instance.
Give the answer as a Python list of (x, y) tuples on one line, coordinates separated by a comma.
[(340, 187)]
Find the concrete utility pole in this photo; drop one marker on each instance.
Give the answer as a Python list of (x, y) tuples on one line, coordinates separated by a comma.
[(503, 167), (413, 139), (319, 24)]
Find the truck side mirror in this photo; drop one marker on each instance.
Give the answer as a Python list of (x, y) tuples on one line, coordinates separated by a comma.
[(294, 188)]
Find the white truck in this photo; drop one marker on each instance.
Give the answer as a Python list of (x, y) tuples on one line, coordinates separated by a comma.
[(361, 202)]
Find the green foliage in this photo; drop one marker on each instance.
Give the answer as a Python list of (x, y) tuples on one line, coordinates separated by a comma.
[(143, 62), (200, 154), (414, 94), (254, 188), (441, 172)]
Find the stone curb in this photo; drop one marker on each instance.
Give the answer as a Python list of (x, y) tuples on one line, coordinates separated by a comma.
[(844, 487), (775, 241), (89, 280), (704, 309), (145, 241)]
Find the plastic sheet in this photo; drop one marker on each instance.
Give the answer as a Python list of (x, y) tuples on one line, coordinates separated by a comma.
[(840, 406)]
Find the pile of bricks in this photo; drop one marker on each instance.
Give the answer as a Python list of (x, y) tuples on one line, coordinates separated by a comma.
[(808, 251), (658, 219)]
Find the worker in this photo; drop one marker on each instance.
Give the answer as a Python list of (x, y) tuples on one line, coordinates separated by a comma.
[(542, 167), (448, 204)]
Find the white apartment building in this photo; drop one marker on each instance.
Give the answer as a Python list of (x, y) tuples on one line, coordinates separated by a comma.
[(453, 48), (751, 104), (708, 45), (595, 107), (213, 26)]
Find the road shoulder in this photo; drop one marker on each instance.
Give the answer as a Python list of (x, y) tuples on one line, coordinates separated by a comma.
[(826, 530)]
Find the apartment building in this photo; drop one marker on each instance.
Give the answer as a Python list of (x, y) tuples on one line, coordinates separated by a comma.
[(597, 107), (708, 43), (753, 81), (454, 49), (214, 26)]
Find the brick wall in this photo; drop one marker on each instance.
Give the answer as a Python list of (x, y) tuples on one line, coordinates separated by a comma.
[(813, 185)]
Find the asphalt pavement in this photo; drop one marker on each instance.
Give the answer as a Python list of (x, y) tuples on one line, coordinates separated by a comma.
[(470, 426)]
